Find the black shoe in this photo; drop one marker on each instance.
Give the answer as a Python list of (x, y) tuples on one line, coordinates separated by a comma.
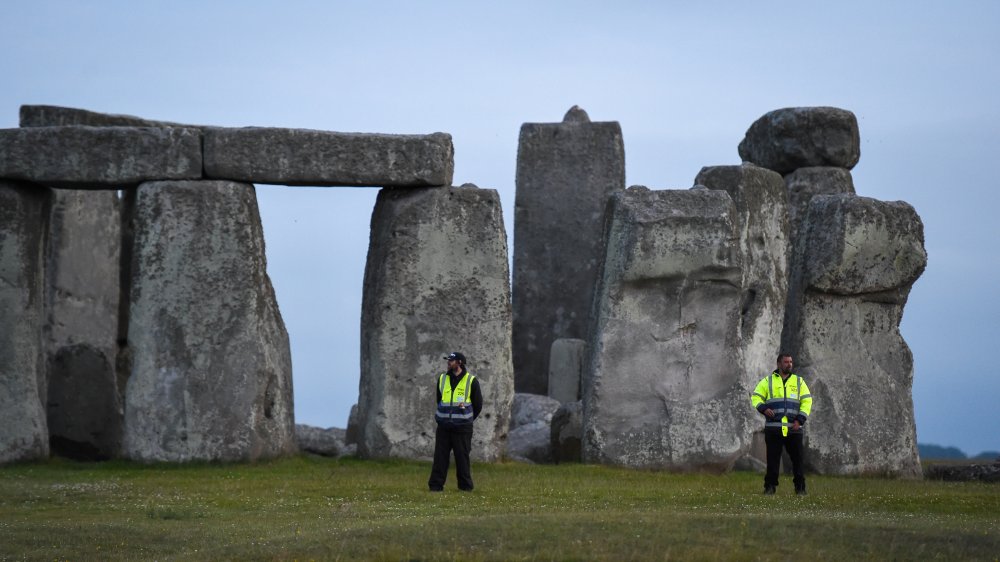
[(769, 490)]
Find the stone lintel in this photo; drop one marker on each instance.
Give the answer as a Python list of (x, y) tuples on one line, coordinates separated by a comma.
[(99, 157), (323, 158)]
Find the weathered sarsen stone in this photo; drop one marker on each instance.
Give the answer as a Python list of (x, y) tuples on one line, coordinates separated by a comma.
[(54, 116), (667, 312), (85, 394), (566, 361), (325, 158), (784, 140), (211, 369), (99, 157), (853, 269), (805, 183), (23, 222), (84, 397), (436, 281), (762, 211), (565, 173)]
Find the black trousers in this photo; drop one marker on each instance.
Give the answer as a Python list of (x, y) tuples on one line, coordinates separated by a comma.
[(793, 444), (446, 441)]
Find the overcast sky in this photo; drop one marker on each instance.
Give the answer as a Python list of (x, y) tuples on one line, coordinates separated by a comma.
[(684, 79)]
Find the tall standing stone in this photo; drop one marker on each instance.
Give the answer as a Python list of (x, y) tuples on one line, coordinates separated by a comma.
[(668, 314), (436, 281), (84, 397), (852, 273), (23, 221), (565, 174), (762, 211), (85, 316), (211, 368)]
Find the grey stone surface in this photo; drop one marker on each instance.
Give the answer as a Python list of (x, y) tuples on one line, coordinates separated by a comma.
[(762, 209), (99, 157), (436, 281), (664, 386), (786, 139), (566, 369), (328, 442), (84, 398), (325, 158), (351, 435), (853, 270), (23, 223), (531, 443), (567, 433), (531, 408), (211, 370), (565, 173), (54, 116), (805, 183), (984, 472)]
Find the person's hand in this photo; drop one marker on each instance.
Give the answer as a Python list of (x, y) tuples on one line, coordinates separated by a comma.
[(796, 425), (769, 413)]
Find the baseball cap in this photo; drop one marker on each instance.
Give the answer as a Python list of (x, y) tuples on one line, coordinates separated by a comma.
[(455, 355)]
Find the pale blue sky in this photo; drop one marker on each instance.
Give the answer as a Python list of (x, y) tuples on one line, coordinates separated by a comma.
[(684, 79)]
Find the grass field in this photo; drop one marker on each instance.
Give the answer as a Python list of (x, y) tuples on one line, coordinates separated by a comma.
[(307, 508)]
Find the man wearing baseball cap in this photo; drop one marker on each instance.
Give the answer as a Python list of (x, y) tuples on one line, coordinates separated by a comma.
[(459, 402)]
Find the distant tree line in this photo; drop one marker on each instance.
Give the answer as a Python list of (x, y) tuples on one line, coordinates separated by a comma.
[(931, 452)]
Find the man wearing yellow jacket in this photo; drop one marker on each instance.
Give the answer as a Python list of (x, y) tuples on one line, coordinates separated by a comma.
[(784, 399)]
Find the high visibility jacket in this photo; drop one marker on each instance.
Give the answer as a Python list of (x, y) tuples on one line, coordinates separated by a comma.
[(455, 408), (790, 399)]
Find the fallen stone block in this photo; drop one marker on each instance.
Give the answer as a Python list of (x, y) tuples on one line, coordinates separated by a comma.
[(567, 433), (324, 158), (328, 442), (99, 157)]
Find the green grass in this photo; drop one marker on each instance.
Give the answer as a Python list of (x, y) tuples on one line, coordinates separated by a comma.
[(312, 508)]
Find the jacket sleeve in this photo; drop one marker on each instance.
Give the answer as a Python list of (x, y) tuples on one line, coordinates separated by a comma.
[(437, 391), (477, 398), (805, 403), (759, 395)]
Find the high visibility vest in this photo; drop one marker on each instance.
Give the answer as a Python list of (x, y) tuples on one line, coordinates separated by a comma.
[(787, 398), (455, 407)]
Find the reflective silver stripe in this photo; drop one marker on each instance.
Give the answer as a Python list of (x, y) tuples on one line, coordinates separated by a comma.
[(804, 396), (778, 424)]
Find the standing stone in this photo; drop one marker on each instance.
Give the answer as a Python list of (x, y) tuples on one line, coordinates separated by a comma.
[(565, 173), (805, 183), (762, 207), (84, 397), (86, 303), (851, 277), (668, 314), (566, 369), (784, 140), (436, 281), (211, 368), (23, 222)]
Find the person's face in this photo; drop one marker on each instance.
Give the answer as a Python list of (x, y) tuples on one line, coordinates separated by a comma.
[(785, 365), (453, 365)]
